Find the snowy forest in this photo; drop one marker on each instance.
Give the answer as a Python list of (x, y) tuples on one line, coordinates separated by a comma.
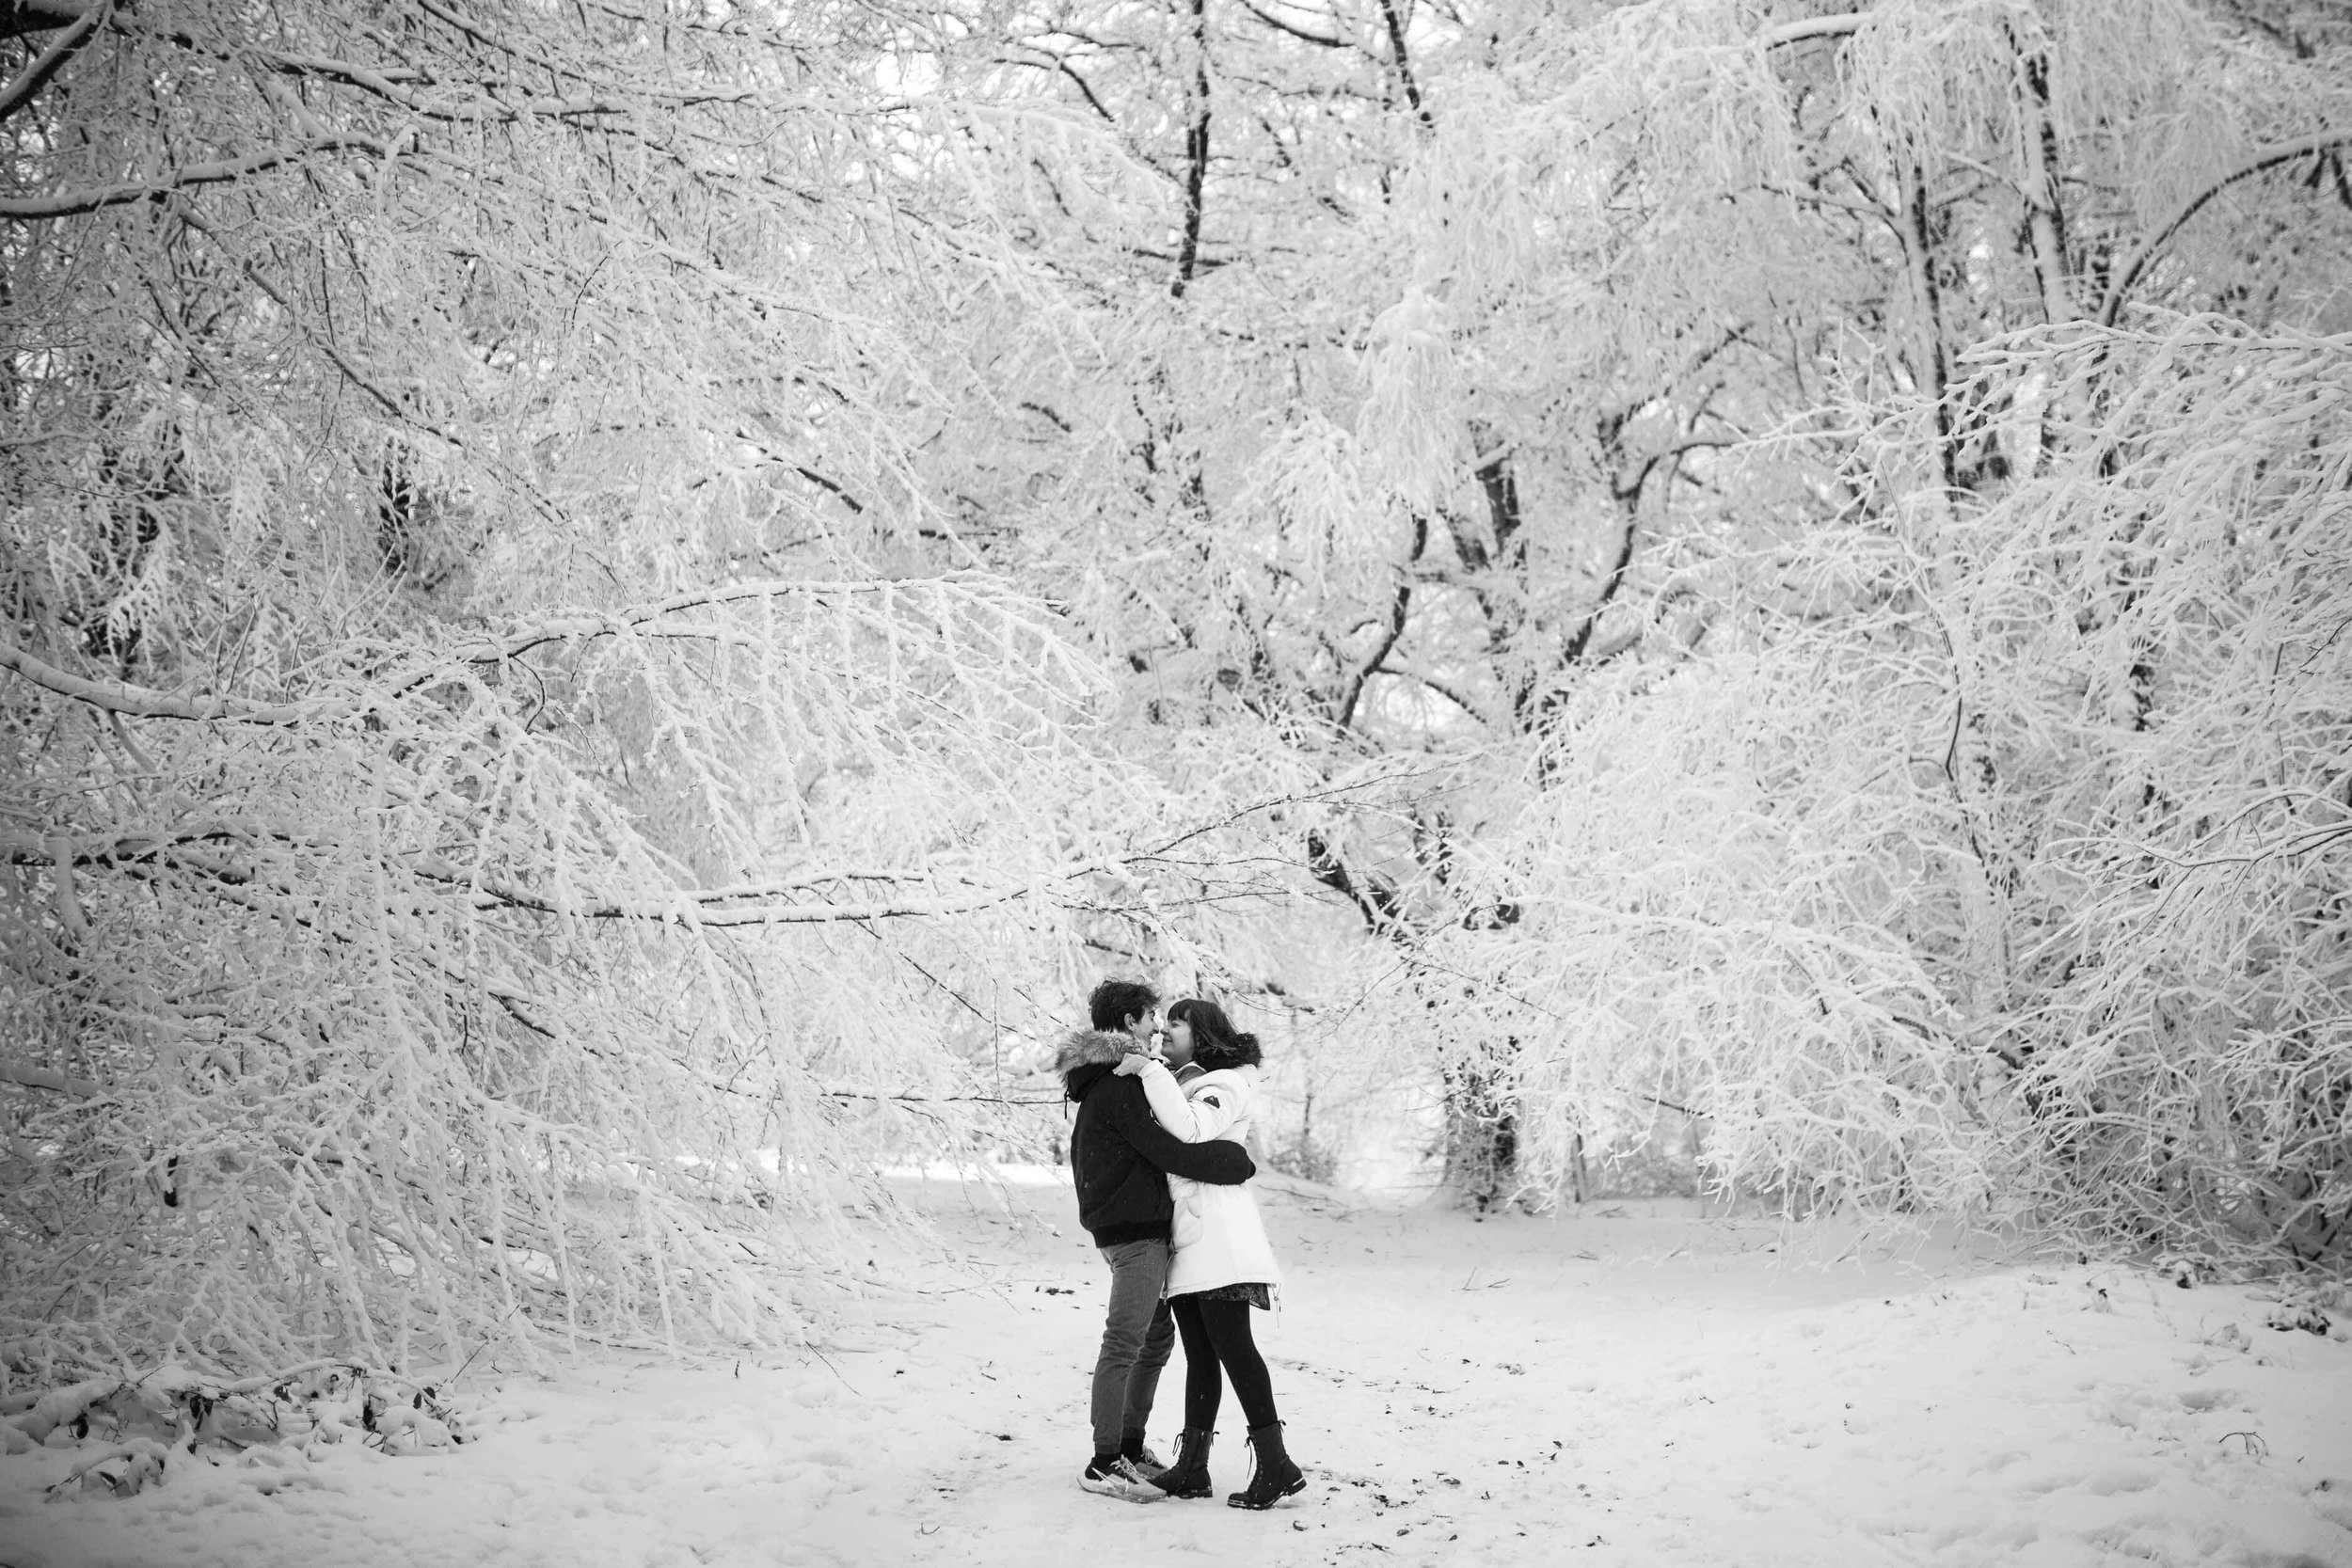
[(613, 609)]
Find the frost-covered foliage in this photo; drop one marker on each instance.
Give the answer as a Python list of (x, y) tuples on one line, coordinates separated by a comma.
[(1686, 400), (1715, 897), (608, 610), (269, 1424), (2014, 878), (2154, 633), (506, 817), (383, 1014)]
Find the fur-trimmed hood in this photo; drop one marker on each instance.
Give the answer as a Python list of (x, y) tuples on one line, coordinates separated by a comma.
[(1081, 1046), (1085, 1055)]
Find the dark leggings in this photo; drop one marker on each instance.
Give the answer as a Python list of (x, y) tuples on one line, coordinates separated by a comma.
[(1216, 1334)]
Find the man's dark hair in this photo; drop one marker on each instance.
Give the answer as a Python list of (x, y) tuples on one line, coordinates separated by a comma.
[(1114, 1002)]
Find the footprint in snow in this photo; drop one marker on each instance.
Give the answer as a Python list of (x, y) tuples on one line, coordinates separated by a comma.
[(2211, 1399), (2116, 1479)]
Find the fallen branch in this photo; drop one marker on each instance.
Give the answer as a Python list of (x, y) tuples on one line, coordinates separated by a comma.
[(148, 1459), (56, 1407)]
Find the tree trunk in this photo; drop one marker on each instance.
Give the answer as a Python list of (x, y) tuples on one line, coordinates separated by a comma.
[(1482, 1137)]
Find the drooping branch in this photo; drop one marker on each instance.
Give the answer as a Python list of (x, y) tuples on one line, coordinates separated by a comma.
[(1813, 27), (392, 84), (2128, 275), (712, 908), (138, 702), (939, 1098), (1451, 691), (1292, 30), (1375, 897), (740, 905), (135, 702)]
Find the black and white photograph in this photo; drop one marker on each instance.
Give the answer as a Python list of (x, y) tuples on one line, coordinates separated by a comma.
[(1094, 784)]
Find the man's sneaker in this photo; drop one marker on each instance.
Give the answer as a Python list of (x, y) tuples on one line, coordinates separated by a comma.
[(1146, 1463), (1119, 1479)]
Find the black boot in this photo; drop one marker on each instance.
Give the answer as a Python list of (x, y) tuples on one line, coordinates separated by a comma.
[(1275, 1477), (1189, 1476)]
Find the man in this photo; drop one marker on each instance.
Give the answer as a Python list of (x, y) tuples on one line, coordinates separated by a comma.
[(1119, 1159)]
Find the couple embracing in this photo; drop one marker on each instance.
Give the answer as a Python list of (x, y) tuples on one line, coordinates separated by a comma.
[(1156, 1156)]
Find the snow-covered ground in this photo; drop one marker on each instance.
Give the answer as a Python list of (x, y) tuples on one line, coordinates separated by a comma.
[(1634, 1386)]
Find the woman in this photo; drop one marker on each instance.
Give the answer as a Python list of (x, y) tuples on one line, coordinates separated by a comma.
[(1223, 1267)]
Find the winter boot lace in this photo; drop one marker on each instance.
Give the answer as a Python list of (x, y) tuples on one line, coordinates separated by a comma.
[(1189, 1477), (1136, 1452), (1275, 1477), (1110, 1476)]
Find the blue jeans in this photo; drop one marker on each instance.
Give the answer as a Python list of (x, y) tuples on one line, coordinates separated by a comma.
[(1138, 1332)]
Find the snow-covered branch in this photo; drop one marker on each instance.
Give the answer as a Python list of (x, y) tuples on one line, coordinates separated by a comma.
[(72, 203), (2127, 275), (42, 16), (31, 1077), (43, 66), (1805, 28)]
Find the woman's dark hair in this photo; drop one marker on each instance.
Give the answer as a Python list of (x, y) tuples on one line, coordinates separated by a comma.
[(1216, 1043)]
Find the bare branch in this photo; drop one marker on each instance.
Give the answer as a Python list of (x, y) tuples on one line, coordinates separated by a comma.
[(1289, 29), (1443, 687)]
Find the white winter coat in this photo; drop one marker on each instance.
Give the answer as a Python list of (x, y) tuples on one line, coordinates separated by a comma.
[(1217, 1236)]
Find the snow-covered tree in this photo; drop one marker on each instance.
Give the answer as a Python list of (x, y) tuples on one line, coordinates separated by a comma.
[(1818, 881), (1501, 388), (602, 604), (507, 814)]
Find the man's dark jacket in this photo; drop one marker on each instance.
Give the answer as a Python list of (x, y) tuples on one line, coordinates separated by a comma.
[(1119, 1155)]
